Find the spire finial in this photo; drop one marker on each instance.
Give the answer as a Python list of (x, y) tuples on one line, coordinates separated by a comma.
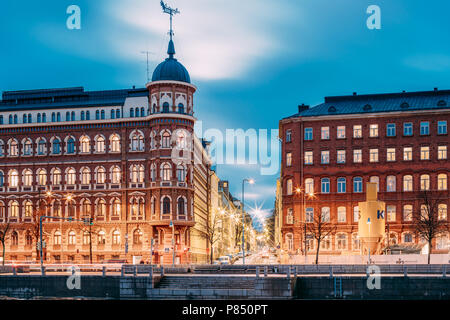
[(171, 12)]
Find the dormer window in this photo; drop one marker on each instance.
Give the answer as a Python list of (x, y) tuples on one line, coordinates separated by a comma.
[(404, 105), (332, 109), (442, 103), (367, 107)]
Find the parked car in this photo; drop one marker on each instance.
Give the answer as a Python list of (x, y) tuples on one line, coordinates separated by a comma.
[(232, 259), (225, 260), (216, 262)]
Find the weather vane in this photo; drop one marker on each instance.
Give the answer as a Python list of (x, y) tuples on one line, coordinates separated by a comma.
[(171, 12)]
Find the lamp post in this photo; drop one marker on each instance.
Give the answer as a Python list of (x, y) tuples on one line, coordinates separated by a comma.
[(250, 181)]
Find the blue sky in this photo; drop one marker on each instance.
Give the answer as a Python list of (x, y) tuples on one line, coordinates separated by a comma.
[(253, 62)]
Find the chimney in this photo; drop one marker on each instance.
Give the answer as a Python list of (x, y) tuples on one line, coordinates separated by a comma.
[(302, 107), (435, 89), (354, 93)]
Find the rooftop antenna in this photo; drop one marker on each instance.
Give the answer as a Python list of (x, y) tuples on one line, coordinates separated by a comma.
[(171, 12), (148, 71)]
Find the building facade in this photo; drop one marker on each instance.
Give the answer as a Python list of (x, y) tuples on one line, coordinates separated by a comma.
[(330, 151), (127, 159)]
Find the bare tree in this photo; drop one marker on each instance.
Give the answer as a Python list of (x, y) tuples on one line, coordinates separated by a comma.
[(212, 233), (319, 228), (4, 227), (39, 211), (427, 222)]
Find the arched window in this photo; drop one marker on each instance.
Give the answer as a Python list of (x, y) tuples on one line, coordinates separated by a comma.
[(85, 176), (181, 173), (73, 115), (2, 179), (101, 207), (86, 238), (13, 179), (68, 116), (137, 236), (70, 145), (181, 206), (42, 177), (325, 214), (56, 208), (101, 175), (165, 140), (14, 209), (27, 148), (152, 206), (101, 237), (325, 185), (2, 210), (425, 182), (116, 237), (100, 144), (180, 108), (71, 207), (442, 181), (341, 241), (137, 141), (15, 119), (13, 148), (117, 113), (357, 185), (28, 238), (57, 238), (28, 209), (14, 238), (166, 205), (97, 115), (407, 183), (113, 114), (391, 182), (102, 113), (41, 147), (115, 143), (309, 186), (85, 207), (137, 206), (341, 185), (142, 112), (116, 175), (153, 172), (289, 187), (116, 207), (375, 179), (131, 113), (442, 211), (27, 178), (2, 148), (71, 176), (38, 118), (82, 115), (166, 172), (56, 146), (88, 115), (166, 107), (53, 117), (72, 237), (85, 144)]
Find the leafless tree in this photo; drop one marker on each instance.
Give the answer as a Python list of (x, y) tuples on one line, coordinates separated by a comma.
[(428, 224), (4, 227), (213, 233), (39, 211), (319, 228)]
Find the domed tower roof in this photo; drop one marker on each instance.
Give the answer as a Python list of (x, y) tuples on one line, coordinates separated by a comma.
[(171, 69)]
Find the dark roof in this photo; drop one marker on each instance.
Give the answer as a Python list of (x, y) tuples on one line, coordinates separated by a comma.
[(376, 103), (65, 97), (171, 69)]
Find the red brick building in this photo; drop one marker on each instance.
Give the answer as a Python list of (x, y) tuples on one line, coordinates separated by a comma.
[(330, 152), (124, 158)]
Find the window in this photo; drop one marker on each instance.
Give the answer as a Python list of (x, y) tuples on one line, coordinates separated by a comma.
[(166, 205), (325, 214), (373, 131), (13, 179), (308, 134), (181, 173), (116, 175), (341, 185), (42, 147), (85, 207), (166, 172), (356, 242), (42, 177), (375, 179), (289, 216), (288, 159), (325, 244), (442, 152), (356, 214), (165, 140), (86, 238), (442, 241), (442, 181), (100, 144), (390, 130), (442, 127), (153, 172), (2, 148), (165, 107), (357, 131), (100, 209), (407, 237), (116, 205), (13, 148), (408, 129), (85, 176), (115, 143), (116, 237), (70, 146), (27, 178), (2, 181), (71, 176), (309, 186), (57, 238), (408, 183), (309, 215), (56, 146), (72, 237), (342, 214), (357, 156), (357, 185), (391, 213), (137, 236), (101, 237), (308, 157), (290, 241), (373, 155), (341, 156), (391, 182), (101, 175), (325, 185), (289, 187), (341, 132), (325, 133), (85, 144), (325, 157), (442, 211), (407, 212), (390, 154), (407, 153), (424, 182), (27, 148), (137, 141), (14, 209), (288, 136), (180, 206), (424, 128), (341, 241)]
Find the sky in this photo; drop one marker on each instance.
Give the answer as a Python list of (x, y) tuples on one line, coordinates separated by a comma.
[(252, 61)]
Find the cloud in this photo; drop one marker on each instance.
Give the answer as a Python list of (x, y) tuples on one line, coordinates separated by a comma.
[(214, 39), (429, 62)]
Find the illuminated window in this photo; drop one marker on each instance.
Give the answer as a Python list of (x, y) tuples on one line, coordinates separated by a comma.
[(341, 132), (442, 181), (357, 156), (342, 214), (308, 157), (407, 212), (408, 183), (390, 154), (391, 213), (72, 237), (373, 132), (357, 131), (288, 159), (442, 152), (407, 154), (391, 182), (325, 133), (325, 216), (309, 186), (289, 187), (325, 157), (115, 143), (373, 155), (424, 182), (341, 156)]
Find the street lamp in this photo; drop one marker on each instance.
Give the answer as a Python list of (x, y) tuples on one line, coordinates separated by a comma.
[(250, 181)]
